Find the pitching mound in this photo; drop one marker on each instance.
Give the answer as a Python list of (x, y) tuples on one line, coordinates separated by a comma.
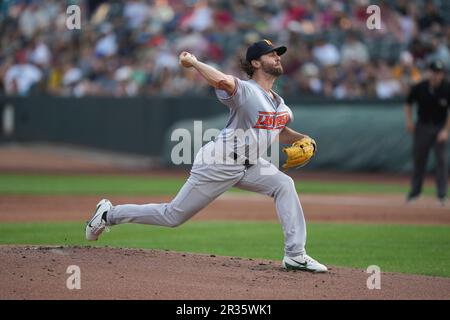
[(30, 272)]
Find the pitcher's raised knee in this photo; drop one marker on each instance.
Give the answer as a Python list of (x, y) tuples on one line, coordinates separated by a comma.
[(282, 184), (285, 182)]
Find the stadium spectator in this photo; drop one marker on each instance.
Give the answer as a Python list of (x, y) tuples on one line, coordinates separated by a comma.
[(406, 72), (387, 86), (20, 78), (326, 54), (354, 51), (330, 45), (431, 18)]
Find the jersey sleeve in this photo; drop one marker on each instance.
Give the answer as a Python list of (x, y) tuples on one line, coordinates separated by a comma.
[(291, 116), (241, 93)]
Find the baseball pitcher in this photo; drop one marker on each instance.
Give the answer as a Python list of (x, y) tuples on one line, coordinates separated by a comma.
[(260, 112)]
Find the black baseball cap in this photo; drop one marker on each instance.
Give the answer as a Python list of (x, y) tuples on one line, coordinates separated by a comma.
[(437, 66), (262, 47)]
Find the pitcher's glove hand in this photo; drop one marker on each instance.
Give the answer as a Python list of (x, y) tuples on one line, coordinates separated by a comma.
[(299, 153)]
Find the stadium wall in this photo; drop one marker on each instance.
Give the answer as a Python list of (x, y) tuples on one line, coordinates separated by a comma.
[(353, 135)]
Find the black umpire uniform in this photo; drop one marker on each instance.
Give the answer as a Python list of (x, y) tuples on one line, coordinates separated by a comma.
[(433, 99)]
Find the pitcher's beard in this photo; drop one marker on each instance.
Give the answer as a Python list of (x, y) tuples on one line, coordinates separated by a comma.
[(275, 71)]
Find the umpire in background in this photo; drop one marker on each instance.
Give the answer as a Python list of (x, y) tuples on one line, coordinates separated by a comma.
[(430, 130)]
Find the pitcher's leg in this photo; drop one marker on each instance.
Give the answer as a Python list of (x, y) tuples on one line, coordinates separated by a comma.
[(291, 215), (290, 212), (192, 197)]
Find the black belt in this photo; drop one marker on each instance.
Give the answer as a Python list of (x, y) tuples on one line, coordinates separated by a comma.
[(247, 163)]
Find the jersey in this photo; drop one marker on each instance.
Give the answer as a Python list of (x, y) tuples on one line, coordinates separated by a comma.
[(254, 122)]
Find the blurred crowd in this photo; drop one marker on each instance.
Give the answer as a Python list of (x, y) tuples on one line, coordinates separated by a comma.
[(130, 48)]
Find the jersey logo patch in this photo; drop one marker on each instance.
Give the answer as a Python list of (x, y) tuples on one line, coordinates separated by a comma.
[(271, 120)]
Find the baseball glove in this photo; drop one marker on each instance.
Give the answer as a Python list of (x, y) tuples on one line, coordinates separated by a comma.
[(299, 153)]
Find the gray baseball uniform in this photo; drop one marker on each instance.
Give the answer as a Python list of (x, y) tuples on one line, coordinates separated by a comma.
[(254, 112)]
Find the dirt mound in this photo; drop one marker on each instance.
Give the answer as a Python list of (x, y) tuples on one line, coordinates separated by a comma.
[(30, 272)]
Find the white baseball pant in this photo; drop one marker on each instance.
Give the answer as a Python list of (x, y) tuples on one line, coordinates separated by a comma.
[(206, 183)]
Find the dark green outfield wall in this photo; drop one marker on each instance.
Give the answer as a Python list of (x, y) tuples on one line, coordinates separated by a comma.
[(134, 125), (366, 137), (351, 135)]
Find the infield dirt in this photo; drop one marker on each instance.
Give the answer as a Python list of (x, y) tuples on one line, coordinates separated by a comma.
[(34, 272), (31, 272)]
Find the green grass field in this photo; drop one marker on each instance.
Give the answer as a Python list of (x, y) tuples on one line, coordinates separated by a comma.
[(131, 185), (396, 248)]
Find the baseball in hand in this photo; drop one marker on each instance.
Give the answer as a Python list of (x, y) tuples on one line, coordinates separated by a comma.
[(187, 59)]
